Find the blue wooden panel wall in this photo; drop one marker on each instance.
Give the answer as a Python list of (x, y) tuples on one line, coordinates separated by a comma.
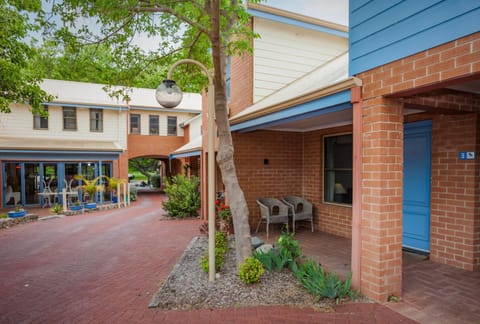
[(383, 31)]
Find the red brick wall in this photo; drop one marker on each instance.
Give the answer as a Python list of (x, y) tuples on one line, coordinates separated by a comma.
[(295, 167), (451, 60), (241, 83), (153, 145), (453, 207), (381, 225), (455, 193), (281, 176)]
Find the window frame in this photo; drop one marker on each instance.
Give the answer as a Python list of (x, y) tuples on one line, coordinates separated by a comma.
[(175, 133), (65, 118), (139, 124), (150, 117), (344, 193), (37, 118), (93, 120)]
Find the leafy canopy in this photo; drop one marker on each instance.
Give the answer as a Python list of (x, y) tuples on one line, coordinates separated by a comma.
[(18, 83)]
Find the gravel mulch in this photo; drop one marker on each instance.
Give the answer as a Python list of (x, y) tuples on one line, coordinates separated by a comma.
[(187, 286)]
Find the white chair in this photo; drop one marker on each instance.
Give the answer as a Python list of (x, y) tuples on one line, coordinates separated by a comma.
[(272, 211), (9, 194), (300, 209)]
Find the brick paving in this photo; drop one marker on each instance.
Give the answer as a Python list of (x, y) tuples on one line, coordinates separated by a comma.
[(103, 267)]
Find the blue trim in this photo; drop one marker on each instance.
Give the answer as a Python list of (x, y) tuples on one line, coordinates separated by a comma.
[(419, 124), (186, 154), (170, 110), (297, 23), (59, 104), (335, 102), (58, 155)]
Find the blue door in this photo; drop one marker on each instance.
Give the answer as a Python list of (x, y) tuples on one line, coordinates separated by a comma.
[(416, 185)]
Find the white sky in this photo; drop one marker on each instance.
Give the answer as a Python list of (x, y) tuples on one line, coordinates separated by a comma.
[(331, 10)]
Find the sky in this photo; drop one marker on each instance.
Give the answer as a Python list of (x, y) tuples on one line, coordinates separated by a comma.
[(331, 10)]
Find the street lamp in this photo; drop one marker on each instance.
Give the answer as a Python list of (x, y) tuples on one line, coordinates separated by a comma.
[(169, 95)]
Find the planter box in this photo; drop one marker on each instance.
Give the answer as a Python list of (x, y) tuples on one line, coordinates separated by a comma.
[(16, 214), (76, 207), (91, 205)]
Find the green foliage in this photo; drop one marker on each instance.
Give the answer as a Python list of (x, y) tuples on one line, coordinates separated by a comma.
[(251, 270), (286, 254), (57, 208), (91, 187), (276, 259), (183, 196), (18, 83), (286, 242), (133, 194), (145, 166), (221, 248), (3, 215), (155, 181), (323, 284)]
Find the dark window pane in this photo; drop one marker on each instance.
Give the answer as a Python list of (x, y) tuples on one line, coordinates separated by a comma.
[(338, 169), (172, 125)]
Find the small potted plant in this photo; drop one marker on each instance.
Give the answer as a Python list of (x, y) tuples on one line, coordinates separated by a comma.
[(18, 212), (113, 185), (90, 187), (76, 206)]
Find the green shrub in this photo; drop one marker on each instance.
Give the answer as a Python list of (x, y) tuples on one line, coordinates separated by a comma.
[(323, 284), (287, 243), (183, 196), (221, 248), (133, 193), (155, 180), (3, 215), (57, 208), (251, 270), (275, 259), (286, 254)]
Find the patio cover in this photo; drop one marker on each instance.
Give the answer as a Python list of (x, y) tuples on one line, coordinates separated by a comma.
[(323, 90), (192, 148), (59, 148)]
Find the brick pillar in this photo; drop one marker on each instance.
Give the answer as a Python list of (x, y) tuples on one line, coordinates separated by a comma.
[(381, 225)]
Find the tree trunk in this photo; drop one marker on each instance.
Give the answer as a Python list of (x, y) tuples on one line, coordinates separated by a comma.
[(238, 204)]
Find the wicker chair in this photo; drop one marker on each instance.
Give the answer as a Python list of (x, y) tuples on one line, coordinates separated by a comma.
[(272, 211), (300, 209)]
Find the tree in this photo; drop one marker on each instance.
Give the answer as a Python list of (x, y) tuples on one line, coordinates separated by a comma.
[(188, 28), (145, 166), (18, 84)]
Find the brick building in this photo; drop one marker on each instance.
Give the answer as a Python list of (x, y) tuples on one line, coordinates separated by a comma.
[(383, 140)]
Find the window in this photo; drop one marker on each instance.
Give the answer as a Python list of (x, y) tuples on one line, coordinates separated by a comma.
[(338, 169), (134, 124), (96, 120), (172, 126), (69, 118), (40, 122), (154, 126)]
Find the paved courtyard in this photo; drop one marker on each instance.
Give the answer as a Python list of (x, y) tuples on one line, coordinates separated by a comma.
[(103, 267)]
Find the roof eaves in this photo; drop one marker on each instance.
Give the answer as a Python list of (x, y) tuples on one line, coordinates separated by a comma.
[(342, 85)]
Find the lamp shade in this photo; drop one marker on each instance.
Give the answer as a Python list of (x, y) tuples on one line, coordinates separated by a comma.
[(168, 94), (339, 188)]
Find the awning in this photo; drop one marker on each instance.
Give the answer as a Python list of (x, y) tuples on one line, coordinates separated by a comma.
[(58, 149), (192, 148)]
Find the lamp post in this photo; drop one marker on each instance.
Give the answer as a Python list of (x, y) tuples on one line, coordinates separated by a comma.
[(169, 95)]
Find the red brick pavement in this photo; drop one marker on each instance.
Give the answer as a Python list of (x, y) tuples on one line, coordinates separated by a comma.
[(104, 267)]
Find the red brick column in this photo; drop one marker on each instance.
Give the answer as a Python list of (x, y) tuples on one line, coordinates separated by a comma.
[(381, 224)]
